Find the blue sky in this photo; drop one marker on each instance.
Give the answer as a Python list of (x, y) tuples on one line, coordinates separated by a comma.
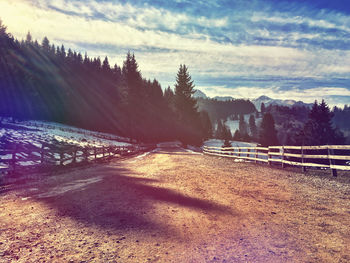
[(283, 49)]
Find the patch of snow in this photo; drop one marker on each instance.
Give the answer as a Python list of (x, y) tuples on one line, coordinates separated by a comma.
[(49, 131), (219, 143)]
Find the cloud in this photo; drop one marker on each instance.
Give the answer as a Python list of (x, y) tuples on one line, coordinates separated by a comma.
[(222, 42)]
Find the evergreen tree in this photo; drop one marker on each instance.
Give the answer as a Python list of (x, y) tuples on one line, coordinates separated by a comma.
[(237, 136), (133, 79), (227, 133), (169, 96), (185, 104), (3, 29), (105, 66), (242, 125), (252, 127), (318, 130), (219, 133), (63, 52), (268, 133), (45, 44), (28, 38), (206, 125), (262, 108)]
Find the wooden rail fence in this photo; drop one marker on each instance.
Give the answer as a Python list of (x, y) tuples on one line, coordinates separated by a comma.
[(334, 157), (26, 156)]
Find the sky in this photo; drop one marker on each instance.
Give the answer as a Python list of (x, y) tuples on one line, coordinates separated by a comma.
[(241, 48)]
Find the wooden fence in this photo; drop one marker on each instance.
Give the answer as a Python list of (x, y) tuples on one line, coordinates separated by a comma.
[(26, 156), (334, 157)]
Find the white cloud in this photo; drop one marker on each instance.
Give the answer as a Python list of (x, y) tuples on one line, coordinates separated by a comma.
[(130, 27), (341, 22)]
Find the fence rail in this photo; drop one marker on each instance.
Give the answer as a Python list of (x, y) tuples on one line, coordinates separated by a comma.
[(27, 156), (334, 157)]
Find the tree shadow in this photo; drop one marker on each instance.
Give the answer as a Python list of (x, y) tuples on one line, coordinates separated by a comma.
[(121, 200)]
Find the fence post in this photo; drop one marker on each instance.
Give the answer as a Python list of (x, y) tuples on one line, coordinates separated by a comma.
[(248, 152), (303, 168), (331, 161), (282, 157), (95, 153), (103, 151), (256, 155), (268, 156), (239, 152)]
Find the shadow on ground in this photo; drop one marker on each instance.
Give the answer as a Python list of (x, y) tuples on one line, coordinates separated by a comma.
[(120, 200)]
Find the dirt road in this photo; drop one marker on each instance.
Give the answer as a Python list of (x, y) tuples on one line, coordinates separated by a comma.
[(173, 205)]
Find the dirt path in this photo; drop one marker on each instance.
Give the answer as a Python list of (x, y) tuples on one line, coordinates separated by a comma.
[(177, 206)]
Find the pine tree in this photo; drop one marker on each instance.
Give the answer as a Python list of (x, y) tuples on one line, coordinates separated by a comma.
[(262, 108), (3, 29), (242, 125), (318, 130), (252, 127), (268, 133), (169, 96), (185, 104), (206, 125), (219, 133), (105, 66), (63, 52), (28, 38), (237, 136), (45, 44), (133, 79)]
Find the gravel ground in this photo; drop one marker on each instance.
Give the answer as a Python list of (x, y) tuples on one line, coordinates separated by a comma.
[(177, 206)]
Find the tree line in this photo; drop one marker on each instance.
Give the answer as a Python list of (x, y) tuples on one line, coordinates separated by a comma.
[(219, 110), (282, 125), (47, 82)]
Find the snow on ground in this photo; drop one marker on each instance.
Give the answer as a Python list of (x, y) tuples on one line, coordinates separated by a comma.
[(38, 132), (35, 132), (234, 124), (219, 143)]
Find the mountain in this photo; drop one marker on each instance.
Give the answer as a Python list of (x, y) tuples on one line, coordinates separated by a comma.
[(257, 102), (200, 94), (269, 101)]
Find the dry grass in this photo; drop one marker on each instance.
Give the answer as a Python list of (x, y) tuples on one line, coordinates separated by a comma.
[(174, 206)]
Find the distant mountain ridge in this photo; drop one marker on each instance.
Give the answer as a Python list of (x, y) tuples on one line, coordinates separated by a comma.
[(199, 94), (257, 102), (269, 101)]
